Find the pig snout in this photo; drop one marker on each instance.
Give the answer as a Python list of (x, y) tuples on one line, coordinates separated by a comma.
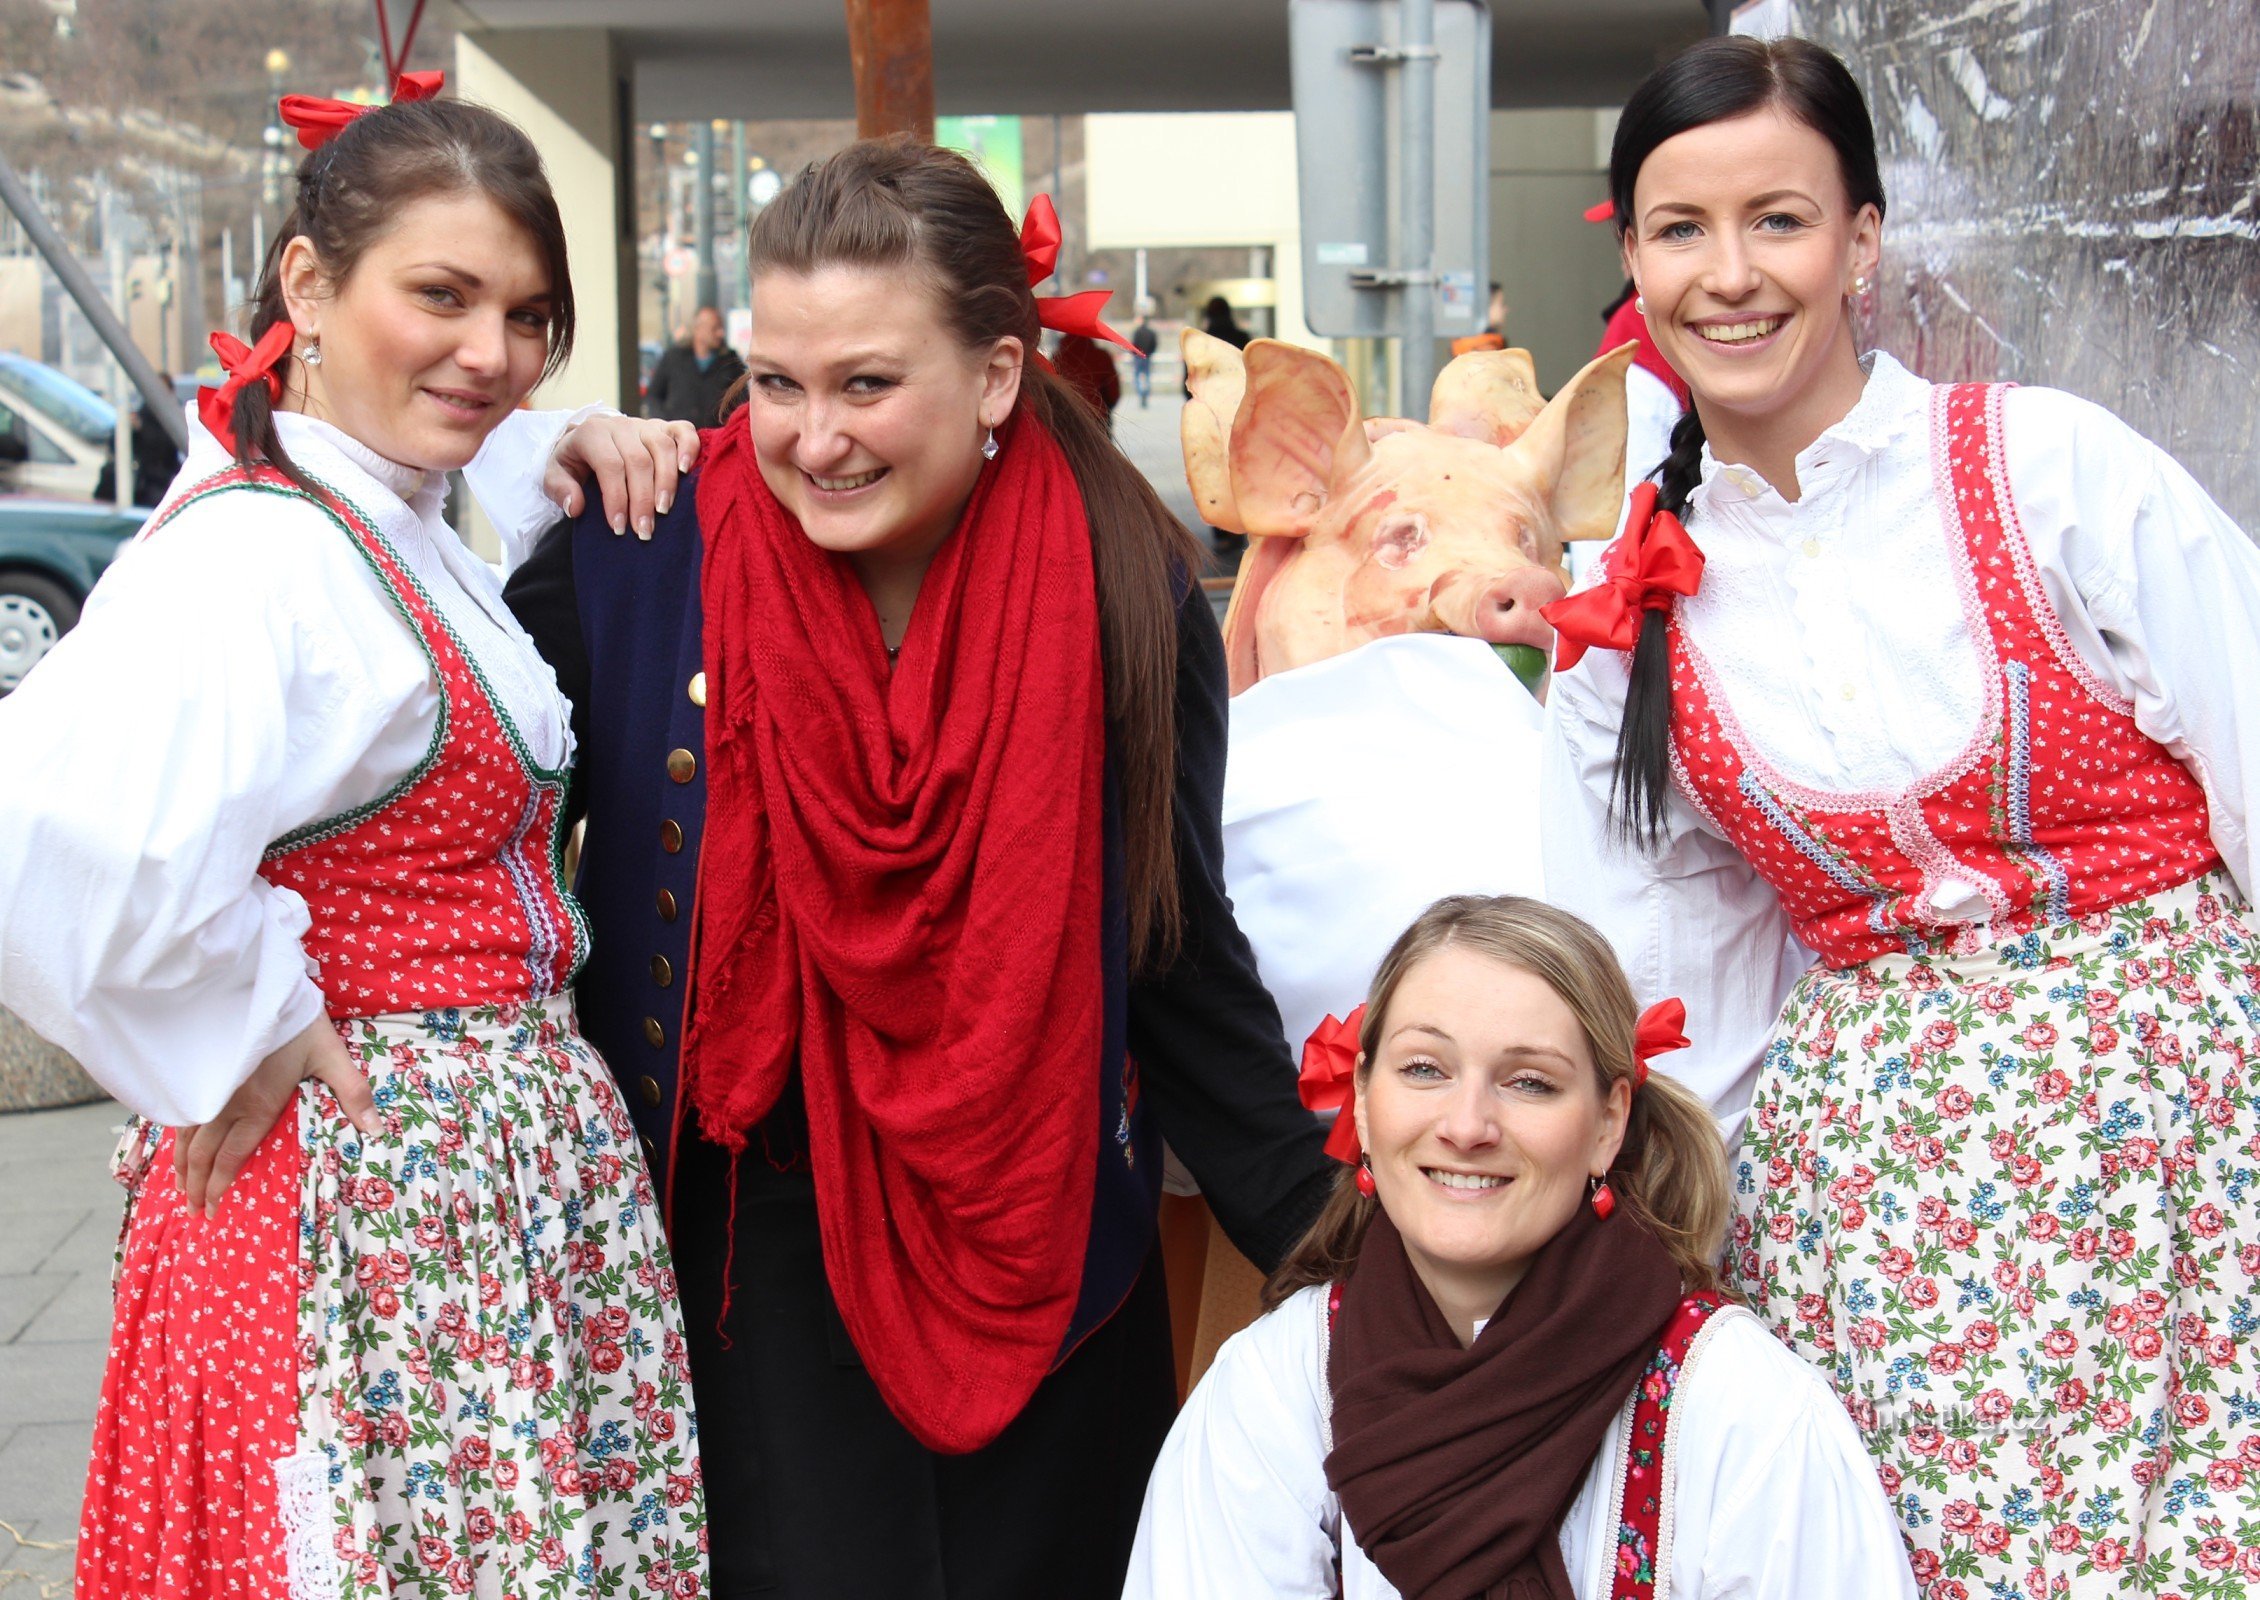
[(1499, 608)]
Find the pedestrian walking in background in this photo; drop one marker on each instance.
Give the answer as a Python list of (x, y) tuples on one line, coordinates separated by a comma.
[(690, 379), (1145, 341)]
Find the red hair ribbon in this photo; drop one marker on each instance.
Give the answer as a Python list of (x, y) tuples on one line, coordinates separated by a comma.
[(1069, 313), (1662, 1030), (318, 121), (1328, 1081), (1654, 561), (245, 364)]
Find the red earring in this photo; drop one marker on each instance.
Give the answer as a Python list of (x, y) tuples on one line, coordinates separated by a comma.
[(1365, 1176), (1604, 1199)]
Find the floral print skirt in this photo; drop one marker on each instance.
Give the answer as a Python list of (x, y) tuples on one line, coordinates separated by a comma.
[(446, 1360), (2010, 1204)]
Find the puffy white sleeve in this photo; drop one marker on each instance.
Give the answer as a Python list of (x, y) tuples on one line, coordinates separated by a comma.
[(193, 716), (2158, 590), (1688, 916), (505, 476), (1238, 1503), (1776, 1486)]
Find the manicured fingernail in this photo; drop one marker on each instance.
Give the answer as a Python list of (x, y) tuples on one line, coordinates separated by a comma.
[(664, 501), (683, 464), (643, 527), (619, 525)]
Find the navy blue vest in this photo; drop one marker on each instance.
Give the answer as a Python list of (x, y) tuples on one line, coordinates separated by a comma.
[(642, 775)]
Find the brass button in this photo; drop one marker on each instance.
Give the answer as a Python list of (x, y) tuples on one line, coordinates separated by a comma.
[(698, 689), (650, 1152), (654, 1032), (661, 973), (682, 766), (666, 905), (671, 837), (650, 1087)]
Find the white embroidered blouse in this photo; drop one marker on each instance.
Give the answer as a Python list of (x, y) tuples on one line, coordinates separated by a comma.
[(239, 674), (1837, 633), (1773, 1495)]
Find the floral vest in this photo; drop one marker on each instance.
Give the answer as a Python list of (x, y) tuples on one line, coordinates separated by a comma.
[(447, 890), (2057, 807)]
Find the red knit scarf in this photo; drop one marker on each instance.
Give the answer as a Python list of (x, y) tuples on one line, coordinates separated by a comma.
[(899, 890)]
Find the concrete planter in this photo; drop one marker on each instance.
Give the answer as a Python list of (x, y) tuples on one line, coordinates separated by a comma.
[(35, 1076)]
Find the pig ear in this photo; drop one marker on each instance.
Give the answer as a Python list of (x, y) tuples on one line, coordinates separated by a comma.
[(1576, 446), (1214, 373), (1491, 395), (1297, 435)]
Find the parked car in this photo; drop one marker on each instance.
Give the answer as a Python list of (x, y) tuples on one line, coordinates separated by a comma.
[(53, 429), (51, 553), (43, 455)]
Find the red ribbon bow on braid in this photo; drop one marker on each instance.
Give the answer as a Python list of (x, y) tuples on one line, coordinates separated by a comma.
[(245, 364), (1662, 1030), (1654, 561), (1328, 1081), (1068, 313), (318, 121)]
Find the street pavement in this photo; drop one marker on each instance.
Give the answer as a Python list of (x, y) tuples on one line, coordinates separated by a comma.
[(59, 1215)]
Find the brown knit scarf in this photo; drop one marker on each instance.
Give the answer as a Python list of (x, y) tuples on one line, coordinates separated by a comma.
[(1456, 1466)]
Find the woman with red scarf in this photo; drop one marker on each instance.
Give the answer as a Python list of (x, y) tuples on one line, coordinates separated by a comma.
[(1499, 1366), (903, 750)]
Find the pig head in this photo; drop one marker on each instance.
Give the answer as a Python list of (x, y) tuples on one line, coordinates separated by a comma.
[(1362, 529)]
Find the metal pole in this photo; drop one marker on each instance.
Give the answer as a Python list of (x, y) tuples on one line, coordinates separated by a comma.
[(741, 217), (121, 448), (702, 216), (1416, 203), (154, 391)]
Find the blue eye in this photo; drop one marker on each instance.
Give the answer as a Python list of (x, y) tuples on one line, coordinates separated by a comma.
[(1676, 232), (1780, 222), (1421, 1069)]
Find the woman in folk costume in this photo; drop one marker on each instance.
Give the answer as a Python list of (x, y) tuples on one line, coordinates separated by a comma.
[(1499, 1367), (279, 845), (1948, 686), (903, 745)]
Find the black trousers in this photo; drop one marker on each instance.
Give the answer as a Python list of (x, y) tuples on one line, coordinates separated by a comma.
[(814, 1490)]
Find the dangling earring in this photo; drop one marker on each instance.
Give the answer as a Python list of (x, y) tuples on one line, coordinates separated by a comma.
[(312, 354), (1365, 1176), (989, 446), (1604, 1199), (1640, 304)]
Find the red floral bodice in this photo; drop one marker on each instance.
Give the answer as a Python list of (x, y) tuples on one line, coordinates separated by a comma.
[(2058, 806), (449, 889)]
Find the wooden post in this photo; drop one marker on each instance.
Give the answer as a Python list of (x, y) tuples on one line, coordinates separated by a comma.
[(892, 45)]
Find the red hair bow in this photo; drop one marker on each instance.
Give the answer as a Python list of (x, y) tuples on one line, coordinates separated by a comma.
[(1069, 313), (1661, 1031), (318, 121), (1328, 1081), (1654, 561), (245, 364)]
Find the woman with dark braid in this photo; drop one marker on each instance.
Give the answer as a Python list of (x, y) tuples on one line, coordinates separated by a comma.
[(1931, 687)]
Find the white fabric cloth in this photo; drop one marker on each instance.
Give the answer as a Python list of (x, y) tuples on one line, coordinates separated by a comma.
[(505, 477), (238, 675), (1837, 632), (1775, 1497), (1359, 789)]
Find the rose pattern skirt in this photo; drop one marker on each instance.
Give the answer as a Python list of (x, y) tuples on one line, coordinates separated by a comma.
[(2010, 1204), (479, 1386)]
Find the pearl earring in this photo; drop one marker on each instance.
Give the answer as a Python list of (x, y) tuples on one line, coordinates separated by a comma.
[(989, 446), (312, 354), (1640, 304), (1859, 286)]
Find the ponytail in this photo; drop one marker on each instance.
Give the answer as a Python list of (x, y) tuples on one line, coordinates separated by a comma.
[(1641, 788), (256, 437), (1670, 1172)]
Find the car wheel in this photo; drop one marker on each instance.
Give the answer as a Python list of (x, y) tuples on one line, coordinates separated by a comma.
[(34, 613)]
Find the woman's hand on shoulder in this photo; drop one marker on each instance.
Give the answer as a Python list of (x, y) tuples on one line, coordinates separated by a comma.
[(636, 462)]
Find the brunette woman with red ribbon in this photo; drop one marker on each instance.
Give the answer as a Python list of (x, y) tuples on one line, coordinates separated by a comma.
[(279, 854), (1945, 689), (1499, 1366), (903, 748)]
